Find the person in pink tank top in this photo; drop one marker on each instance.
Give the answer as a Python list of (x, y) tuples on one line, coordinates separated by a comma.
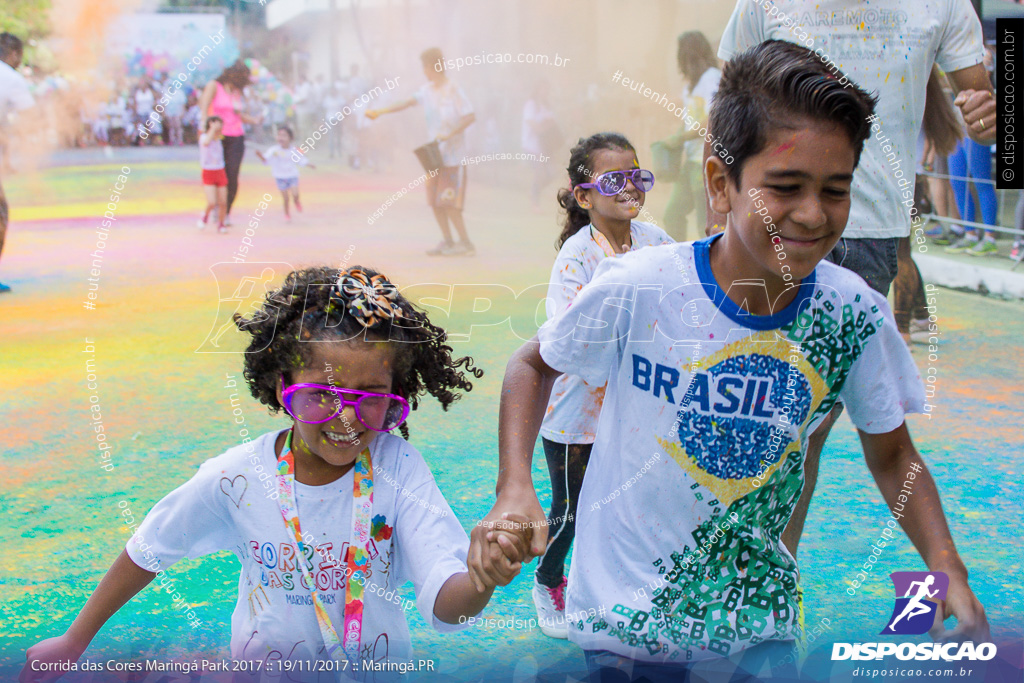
[(223, 98)]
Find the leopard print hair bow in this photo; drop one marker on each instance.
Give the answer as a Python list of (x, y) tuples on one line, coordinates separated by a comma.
[(368, 299)]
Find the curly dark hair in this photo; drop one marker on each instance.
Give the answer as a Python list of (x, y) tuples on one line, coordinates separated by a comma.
[(307, 309)]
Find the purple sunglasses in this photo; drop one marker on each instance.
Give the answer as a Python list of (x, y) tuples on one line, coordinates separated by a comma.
[(319, 403), (612, 183)]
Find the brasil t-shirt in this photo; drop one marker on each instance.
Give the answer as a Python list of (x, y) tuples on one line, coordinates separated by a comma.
[(698, 459)]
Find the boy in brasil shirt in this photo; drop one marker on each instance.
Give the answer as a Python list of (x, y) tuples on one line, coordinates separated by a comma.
[(721, 357)]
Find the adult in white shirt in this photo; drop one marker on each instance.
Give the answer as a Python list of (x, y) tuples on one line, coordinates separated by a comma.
[(887, 48), (14, 97), (540, 136), (699, 67)]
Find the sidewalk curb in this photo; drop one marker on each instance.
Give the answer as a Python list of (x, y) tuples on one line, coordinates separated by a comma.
[(975, 278)]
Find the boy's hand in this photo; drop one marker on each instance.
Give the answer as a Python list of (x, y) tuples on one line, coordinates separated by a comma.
[(50, 651), (495, 542), (961, 603)]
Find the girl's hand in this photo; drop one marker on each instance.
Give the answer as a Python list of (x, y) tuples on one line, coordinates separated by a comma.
[(62, 649)]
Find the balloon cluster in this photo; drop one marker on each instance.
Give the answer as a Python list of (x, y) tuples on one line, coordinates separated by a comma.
[(269, 87)]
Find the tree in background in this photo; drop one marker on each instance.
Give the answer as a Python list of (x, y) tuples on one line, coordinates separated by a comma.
[(27, 19)]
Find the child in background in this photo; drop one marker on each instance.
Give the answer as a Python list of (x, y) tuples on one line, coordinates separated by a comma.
[(284, 161), (721, 357), (608, 189), (215, 179), (375, 356)]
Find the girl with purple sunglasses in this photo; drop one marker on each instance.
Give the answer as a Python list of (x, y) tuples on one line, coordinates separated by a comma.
[(332, 515), (606, 193)]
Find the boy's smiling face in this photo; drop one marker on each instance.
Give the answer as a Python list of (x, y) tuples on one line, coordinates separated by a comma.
[(804, 177)]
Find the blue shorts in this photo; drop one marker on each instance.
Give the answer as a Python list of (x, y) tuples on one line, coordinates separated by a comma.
[(285, 184)]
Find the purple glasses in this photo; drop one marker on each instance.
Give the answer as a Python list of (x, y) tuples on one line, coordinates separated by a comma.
[(612, 183), (319, 403)]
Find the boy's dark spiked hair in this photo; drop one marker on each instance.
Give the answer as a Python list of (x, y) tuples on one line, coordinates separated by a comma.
[(774, 85), (306, 310)]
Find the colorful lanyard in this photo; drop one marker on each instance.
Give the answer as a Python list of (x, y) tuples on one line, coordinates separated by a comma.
[(605, 245), (358, 556)]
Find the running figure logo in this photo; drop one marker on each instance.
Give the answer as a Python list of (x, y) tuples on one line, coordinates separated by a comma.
[(914, 612)]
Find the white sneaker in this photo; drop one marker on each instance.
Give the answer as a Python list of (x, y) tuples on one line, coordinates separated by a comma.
[(550, 603)]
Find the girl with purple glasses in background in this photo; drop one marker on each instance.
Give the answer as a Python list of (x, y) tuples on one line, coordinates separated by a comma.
[(607, 191)]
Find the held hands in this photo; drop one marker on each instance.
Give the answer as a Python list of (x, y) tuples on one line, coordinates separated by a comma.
[(979, 109), (507, 546), (60, 650), (961, 603), (497, 549)]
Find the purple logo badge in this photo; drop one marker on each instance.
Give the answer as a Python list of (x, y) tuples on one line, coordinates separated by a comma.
[(917, 596)]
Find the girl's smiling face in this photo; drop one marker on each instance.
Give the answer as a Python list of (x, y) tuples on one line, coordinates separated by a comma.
[(624, 206), (324, 452)]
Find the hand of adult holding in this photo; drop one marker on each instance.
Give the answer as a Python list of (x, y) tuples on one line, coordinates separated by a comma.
[(979, 110), (41, 658)]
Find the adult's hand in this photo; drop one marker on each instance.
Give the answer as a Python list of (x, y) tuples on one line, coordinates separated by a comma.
[(979, 110), (485, 555)]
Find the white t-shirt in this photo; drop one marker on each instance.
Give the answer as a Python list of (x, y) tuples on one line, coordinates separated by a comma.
[(887, 47), (14, 93), (281, 164), (225, 507), (176, 102), (444, 106), (707, 86), (701, 396), (144, 101), (534, 115), (572, 411), (211, 153)]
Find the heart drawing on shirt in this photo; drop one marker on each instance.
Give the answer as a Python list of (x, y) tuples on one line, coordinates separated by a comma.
[(230, 491)]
